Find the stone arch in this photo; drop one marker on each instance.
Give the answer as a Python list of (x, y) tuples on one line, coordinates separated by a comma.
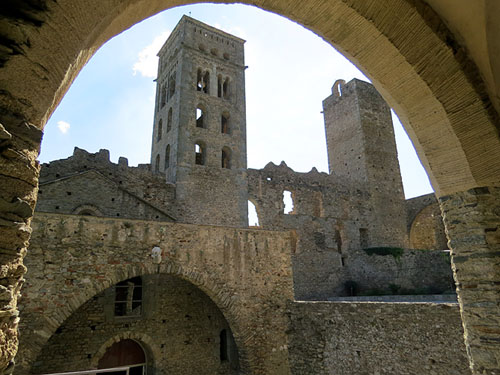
[(213, 288), (147, 344), (87, 209), (445, 100), (427, 229)]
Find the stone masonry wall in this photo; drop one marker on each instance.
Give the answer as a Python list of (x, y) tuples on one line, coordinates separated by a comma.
[(328, 220), (376, 338), (247, 273), (180, 329)]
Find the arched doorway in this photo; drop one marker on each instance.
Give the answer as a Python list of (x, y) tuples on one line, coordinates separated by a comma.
[(126, 354)]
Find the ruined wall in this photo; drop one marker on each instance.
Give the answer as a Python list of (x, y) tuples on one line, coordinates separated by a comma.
[(180, 328), (86, 181), (328, 221), (376, 338), (247, 273)]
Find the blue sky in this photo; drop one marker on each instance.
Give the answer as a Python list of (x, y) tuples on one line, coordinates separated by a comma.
[(290, 71)]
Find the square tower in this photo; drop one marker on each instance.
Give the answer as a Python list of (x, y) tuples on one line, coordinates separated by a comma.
[(199, 133), (362, 150)]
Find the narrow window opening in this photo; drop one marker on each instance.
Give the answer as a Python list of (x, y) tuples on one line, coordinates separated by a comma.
[(253, 217), (157, 163), (128, 297), (163, 95), (224, 354), (226, 158), (225, 89), (160, 130), (167, 157), (171, 86), (338, 240), (219, 86), (363, 238), (224, 123), (206, 82), (289, 207), (169, 120), (200, 123), (199, 151), (199, 81)]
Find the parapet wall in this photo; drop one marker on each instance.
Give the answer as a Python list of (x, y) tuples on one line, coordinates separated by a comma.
[(376, 338)]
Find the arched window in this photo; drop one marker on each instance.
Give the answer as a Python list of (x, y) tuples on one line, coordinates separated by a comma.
[(200, 117), (206, 82), (169, 120), (225, 89), (160, 130), (199, 152), (226, 158), (219, 86), (224, 123), (163, 95), (167, 157), (157, 163), (171, 86), (199, 80)]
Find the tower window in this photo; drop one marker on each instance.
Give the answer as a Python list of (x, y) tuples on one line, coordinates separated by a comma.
[(199, 81), (171, 86), (224, 123), (226, 158), (225, 89), (169, 120), (160, 130), (167, 157), (219, 86), (206, 82), (163, 95), (199, 151), (128, 297), (200, 117), (157, 163)]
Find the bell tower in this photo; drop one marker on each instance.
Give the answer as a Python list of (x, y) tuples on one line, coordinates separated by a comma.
[(199, 132)]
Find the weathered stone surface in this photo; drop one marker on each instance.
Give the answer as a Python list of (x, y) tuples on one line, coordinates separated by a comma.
[(376, 338), (247, 273), (472, 220)]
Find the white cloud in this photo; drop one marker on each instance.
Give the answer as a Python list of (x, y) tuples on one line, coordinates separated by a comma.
[(147, 63), (63, 126)]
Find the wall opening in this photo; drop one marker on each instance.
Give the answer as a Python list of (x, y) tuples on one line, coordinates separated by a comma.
[(199, 152), (199, 80), (128, 297), (219, 86), (160, 130), (169, 120), (224, 123), (253, 217), (171, 86), (200, 117), (206, 82), (225, 89), (288, 204), (124, 353), (226, 158), (167, 157)]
